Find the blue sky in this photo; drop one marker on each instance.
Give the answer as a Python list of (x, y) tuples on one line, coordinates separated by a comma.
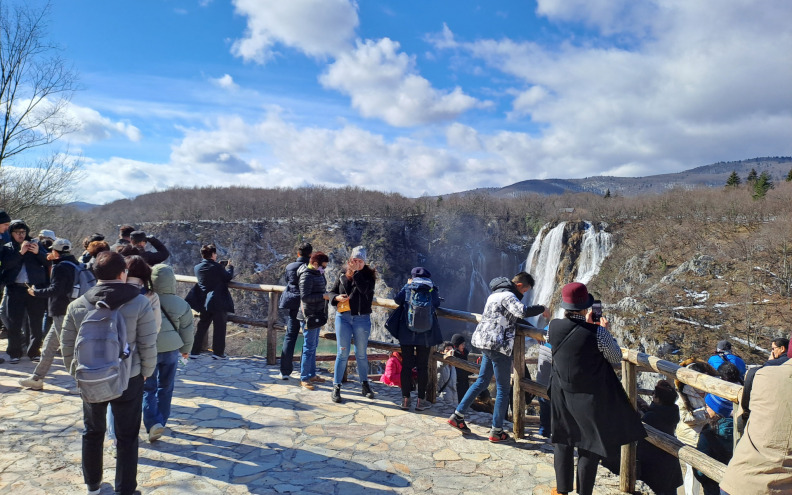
[(418, 97)]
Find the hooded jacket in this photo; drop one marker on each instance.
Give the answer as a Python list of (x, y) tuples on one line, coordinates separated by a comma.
[(312, 283), (175, 310), (498, 323), (60, 288), (36, 265), (138, 316), (290, 299)]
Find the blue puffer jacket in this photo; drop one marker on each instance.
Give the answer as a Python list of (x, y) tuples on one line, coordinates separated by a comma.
[(405, 335)]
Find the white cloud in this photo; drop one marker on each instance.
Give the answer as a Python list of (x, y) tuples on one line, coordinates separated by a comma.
[(317, 28), (225, 82), (92, 126), (384, 83), (462, 137)]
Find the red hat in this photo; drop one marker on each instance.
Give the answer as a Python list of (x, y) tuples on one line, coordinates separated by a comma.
[(576, 297)]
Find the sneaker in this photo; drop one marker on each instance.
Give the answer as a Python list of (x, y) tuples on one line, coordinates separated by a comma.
[(32, 383), (36, 359), (335, 395), (219, 356), (194, 356), (405, 405), (307, 385), (498, 437), (156, 432), (459, 424), (366, 390), (14, 361), (422, 405), (136, 492), (94, 489), (317, 379), (281, 376)]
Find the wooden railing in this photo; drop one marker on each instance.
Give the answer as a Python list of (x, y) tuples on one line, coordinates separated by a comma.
[(633, 362)]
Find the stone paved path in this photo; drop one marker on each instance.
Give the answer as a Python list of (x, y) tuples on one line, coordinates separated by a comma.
[(236, 429)]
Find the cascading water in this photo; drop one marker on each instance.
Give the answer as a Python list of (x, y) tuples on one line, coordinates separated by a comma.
[(543, 263), (596, 246), (477, 282)]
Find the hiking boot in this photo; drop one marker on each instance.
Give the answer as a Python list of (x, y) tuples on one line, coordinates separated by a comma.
[(155, 432), (307, 385), (317, 379), (366, 390), (335, 395), (32, 383), (405, 405), (459, 424), (194, 356), (498, 437), (422, 405)]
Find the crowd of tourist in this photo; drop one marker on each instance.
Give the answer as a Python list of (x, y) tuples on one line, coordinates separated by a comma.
[(54, 298)]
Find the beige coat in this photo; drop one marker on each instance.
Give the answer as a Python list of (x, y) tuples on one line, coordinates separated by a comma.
[(692, 419), (762, 462)]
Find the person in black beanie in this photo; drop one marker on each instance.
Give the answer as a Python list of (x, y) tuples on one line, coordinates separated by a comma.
[(463, 376)]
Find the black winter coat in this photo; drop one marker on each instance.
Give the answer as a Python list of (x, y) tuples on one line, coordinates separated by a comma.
[(660, 470), (158, 257), (60, 289), (290, 299), (213, 281), (360, 290), (312, 289), (405, 335), (37, 265), (589, 408)]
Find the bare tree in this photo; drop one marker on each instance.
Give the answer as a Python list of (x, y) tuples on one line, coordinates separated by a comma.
[(36, 84)]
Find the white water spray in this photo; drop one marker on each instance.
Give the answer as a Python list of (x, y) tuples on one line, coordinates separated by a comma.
[(543, 263), (596, 246)]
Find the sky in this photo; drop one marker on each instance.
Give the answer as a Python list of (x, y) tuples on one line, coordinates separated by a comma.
[(418, 97)]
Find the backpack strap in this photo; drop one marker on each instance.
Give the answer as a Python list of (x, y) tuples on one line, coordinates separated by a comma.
[(175, 327)]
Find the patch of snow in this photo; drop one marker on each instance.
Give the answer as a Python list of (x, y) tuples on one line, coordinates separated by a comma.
[(752, 346), (695, 323)]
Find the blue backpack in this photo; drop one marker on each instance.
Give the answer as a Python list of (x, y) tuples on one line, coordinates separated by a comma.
[(420, 310)]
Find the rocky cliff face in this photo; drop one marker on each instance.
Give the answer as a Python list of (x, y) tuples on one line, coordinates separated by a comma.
[(462, 253)]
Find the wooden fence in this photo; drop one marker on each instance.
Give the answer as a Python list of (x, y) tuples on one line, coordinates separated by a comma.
[(633, 362)]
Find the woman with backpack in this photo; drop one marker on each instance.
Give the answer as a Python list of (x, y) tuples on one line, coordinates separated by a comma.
[(418, 332), (352, 295), (174, 339), (313, 310)]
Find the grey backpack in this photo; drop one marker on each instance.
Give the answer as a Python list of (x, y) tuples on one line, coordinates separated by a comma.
[(102, 354), (83, 279)]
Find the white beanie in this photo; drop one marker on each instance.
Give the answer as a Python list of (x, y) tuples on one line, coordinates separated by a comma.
[(358, 252)]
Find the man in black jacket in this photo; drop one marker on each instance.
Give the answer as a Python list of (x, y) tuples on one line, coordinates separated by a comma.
[(291, 300), (24, 263), (140, 239), (59, 296), (213, 281)]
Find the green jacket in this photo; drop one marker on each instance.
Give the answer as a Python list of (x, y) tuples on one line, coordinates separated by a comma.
[(173, 308)]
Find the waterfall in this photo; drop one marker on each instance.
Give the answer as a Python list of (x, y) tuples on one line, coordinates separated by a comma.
[(543, 263), (477, 263), (596, 246), (534, 249)]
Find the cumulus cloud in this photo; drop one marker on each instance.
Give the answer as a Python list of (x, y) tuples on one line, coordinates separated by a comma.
[(92, 126), (384, 83), (317, 28), (225, 82), (214, 149)]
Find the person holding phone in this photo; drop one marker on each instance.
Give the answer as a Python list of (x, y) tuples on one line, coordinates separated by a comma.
[(213, 283)]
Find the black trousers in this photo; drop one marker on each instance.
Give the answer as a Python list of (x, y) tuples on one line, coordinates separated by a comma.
[(22, 305), (415, 356), (564, 460), (218, 320), (127, 411)]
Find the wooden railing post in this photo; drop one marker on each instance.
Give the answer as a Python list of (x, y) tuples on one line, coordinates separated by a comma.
[(272, 336), (627, 467), (518, 396), (431, 386)]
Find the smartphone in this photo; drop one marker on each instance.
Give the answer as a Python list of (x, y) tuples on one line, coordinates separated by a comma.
[(596, 310), (223, 262)]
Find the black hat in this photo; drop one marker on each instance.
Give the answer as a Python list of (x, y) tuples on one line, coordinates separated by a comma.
[(420, 271), (96, 237), (457, 339), (4, 218), (138, 236), (723, 345)]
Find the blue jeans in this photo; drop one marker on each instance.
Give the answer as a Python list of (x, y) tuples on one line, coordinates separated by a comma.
[(347, 326), (308, 360), (492, 362), (293, 327), (158, 390)]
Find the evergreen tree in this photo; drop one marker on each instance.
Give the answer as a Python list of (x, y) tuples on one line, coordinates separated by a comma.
[(789, 176), (608, 194), (763, 184), (733, 180), (752, 176)]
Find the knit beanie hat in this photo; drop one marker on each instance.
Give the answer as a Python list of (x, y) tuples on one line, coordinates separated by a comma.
[(420, 272), (721, 406), (359, 252), (4, 217)]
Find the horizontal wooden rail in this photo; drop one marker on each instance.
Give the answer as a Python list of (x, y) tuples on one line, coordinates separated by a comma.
[(707, 465)]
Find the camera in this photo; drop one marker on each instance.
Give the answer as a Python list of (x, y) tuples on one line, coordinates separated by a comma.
[(596, 310)]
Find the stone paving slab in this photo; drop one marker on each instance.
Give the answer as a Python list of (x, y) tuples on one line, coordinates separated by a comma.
[(235, 428)]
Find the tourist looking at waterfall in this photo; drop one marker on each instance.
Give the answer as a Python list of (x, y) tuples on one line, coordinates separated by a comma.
[(290, 300), (589, 408), (215, 301), (313, 302), (494, 335), (352, 294), (417, 343), (723, 354)]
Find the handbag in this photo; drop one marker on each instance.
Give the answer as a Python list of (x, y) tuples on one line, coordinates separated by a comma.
[(344, 306)]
